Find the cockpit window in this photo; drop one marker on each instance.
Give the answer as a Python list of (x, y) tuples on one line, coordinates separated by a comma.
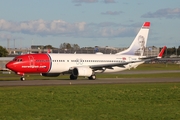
[(20, 59), (14, 59), (17, 59)]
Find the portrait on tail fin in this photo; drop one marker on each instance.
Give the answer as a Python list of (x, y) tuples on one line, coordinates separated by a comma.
[(141, 42)]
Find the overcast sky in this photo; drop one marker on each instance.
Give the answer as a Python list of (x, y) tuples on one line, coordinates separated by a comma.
[(112, 23)]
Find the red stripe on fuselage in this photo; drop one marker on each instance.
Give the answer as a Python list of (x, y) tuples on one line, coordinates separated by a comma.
[(30, 63)]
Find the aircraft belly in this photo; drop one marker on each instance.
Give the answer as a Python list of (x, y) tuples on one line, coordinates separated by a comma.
[(115, 69)]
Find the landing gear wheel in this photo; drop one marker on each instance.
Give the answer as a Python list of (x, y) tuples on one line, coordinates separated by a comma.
[(72, 77), (92, 77), (22, 79)]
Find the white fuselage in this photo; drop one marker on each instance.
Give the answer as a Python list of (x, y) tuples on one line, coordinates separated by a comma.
[(64, 62)]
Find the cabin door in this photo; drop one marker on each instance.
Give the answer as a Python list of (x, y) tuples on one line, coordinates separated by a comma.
[(31, 59)]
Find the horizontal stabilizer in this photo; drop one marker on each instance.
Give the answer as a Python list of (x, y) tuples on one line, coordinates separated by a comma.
[(162, 52)]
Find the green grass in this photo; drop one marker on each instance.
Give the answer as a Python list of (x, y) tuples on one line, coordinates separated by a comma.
[(152, 75), (94, 102), (91, 102), (149, 67)]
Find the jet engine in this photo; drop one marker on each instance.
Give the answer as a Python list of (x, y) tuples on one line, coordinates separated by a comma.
[(82, 71), (50, 74)]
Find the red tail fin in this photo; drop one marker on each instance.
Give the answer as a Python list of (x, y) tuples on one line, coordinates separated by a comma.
[(162, 52)]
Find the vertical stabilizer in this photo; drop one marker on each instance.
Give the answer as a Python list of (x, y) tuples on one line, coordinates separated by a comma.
[(139, 44)]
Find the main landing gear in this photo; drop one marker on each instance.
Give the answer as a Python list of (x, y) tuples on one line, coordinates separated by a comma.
[(72, 77), (92, 77)]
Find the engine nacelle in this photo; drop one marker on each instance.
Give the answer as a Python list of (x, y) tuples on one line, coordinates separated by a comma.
[(82, 71), (50, 74)]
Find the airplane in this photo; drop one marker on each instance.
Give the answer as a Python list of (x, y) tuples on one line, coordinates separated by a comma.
[(87, 65)]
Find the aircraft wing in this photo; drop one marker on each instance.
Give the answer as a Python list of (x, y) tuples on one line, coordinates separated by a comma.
[(148, 58), (109, 66)]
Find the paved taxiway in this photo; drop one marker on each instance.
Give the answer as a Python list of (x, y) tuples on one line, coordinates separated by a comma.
[(98, 81), (86, 81), (148, 72)]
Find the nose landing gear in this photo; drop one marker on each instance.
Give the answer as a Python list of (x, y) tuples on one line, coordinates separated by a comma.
[(22, 75), (22, 78)]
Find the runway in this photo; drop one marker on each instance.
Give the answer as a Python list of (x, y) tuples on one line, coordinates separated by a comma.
[(85, 81), (98, 80)]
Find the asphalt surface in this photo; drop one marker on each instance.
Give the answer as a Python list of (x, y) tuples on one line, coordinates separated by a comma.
[(85, 81), (148, 72), (98, 80)]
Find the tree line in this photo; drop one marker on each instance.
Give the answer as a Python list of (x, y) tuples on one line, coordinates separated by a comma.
[(172, 51), (63, 46), (3, 52)]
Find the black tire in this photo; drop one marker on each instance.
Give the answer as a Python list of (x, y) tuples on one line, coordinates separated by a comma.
[(92, 77), (22, 79), (72, 77)]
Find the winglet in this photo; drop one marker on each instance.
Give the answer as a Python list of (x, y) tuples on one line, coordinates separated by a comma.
[(146, 24), (162, 52)]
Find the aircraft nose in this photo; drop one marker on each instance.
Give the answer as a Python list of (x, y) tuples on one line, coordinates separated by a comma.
[(10, 65)]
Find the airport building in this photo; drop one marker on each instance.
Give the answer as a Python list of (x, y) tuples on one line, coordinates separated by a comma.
[(149, 51)]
